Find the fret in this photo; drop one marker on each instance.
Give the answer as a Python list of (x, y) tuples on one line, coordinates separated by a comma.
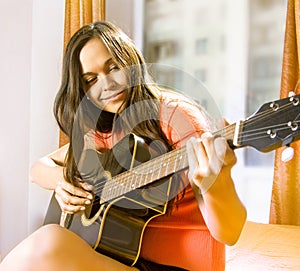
[(105, 195), (164, 166), (121, 186), (115, 191), (152, 173), (184, 160), (167, 163), (131, 185), (136, 181), (126, 184), (142, 179), (159, 165), (162, 159), (147, 178), (107, 191), (175, 162)]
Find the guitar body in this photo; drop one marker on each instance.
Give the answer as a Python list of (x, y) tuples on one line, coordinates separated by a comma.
[(115, 228)]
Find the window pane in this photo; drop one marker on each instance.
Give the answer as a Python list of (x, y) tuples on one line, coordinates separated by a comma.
[(234, 47)]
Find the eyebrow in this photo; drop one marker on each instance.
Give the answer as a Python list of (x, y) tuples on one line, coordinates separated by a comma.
[(107, 62)]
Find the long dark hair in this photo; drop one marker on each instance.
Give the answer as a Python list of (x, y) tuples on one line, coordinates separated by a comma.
[(70, 98)]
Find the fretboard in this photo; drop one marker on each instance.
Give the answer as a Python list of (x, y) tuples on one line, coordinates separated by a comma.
[(153, 170)]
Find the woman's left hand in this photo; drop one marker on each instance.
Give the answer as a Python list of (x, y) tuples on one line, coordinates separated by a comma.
[(207, 156)]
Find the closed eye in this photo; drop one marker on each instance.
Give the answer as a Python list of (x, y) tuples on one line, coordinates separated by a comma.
[(112, 67), (91, 80)]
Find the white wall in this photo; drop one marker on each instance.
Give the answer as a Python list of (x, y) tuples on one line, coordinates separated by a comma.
[(15, 55), (30, 53), (47, 49)]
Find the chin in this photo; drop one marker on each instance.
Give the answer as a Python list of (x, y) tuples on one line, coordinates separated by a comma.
[(113, 108)]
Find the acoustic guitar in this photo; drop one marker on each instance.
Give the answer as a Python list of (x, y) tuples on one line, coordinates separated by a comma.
[(126, 200)]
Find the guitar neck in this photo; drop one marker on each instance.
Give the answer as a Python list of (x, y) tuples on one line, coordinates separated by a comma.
[(155, 169)]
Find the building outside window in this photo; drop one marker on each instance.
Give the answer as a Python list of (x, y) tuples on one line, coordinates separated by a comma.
[(236, 55), (201, 46)]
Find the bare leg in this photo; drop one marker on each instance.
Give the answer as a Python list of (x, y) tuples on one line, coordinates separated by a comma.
[(55, 248)]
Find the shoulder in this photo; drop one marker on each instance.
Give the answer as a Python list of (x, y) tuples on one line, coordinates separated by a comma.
[(169, 97), (181, 117), (171, 100), (174, 105)]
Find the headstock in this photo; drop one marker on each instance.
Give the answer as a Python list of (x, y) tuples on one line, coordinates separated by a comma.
[(274, 124)]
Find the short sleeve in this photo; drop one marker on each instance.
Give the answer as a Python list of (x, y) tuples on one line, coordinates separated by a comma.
[(181, 118)]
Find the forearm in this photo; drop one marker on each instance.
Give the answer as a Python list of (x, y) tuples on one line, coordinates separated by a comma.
[(46, 173), (224, 213)]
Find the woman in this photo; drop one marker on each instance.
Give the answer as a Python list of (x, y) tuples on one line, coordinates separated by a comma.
[(105, 94)]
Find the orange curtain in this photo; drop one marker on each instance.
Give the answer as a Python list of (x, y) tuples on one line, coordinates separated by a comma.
[(77, 14), (285, 203)]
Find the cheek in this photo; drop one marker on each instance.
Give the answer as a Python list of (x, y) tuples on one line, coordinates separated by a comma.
[(119, 78), (94, 91), (92, 95), (122, 80)]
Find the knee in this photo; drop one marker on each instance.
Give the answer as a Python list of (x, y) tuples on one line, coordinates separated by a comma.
[(48, 238), (44, 242), (43, 239), (37, 247), (47, 242)]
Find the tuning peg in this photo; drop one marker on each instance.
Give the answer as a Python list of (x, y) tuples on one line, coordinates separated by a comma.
[(287, 154), (291, 93)]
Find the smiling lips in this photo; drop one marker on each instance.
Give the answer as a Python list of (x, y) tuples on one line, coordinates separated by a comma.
[(112, 97)]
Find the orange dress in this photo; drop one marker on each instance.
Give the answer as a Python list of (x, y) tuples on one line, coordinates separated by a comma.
[(182, 239)]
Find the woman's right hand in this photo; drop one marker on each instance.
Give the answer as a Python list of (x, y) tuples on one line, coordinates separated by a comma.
[(48, 172), (73, 199)]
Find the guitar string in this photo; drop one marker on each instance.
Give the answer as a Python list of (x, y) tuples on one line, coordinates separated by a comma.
[(125, 175)]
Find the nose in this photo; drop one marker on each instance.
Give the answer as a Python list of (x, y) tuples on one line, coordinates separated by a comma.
[(103, 81)]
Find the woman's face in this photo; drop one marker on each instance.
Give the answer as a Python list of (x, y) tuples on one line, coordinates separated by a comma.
[(105, 84)]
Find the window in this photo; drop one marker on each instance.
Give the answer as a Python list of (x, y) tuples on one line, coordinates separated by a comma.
[(201, 74), (162, 50), (217, 46), (201, 46)]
